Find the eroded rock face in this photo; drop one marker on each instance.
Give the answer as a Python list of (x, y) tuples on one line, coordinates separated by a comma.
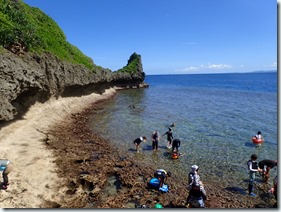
[(25, 80)]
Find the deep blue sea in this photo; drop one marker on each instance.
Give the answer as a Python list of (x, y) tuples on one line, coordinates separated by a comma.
[(215, 115)]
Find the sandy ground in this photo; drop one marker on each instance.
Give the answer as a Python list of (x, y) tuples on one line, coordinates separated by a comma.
[(23, 142)]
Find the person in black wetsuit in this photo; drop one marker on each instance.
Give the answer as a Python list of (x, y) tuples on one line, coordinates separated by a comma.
[(176, 145), (266, 165), (155, 139), (138, 141), (169, 136)]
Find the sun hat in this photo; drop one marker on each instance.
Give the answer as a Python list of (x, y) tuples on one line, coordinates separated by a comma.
[(194, 167)]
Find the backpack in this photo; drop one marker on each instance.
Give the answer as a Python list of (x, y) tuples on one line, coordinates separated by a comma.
[(254, 164), (154, 182)]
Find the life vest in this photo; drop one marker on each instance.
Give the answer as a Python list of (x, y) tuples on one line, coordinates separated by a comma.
[(254, 164), (193, 179)]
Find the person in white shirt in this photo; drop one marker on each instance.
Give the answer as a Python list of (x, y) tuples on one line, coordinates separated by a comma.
[(259, 136), (253, 169)]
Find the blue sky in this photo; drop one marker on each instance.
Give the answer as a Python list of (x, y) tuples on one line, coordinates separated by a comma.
[(172, 36)]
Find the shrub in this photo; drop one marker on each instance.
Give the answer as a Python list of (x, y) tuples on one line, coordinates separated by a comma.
[(36, 32)]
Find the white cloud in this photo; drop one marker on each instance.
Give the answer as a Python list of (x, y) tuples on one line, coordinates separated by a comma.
[(274, 64), (209, 66), (219, 66)]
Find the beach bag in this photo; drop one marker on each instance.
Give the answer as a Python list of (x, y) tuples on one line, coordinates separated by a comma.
[(164, 188), (154, 182)]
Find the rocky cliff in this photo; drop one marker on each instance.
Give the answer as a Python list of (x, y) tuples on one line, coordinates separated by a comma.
[(30, 78)]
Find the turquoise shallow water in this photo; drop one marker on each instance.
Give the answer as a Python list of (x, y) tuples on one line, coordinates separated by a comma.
[(215, 115)]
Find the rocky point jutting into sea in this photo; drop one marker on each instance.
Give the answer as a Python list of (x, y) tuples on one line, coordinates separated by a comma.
[(25, 80)]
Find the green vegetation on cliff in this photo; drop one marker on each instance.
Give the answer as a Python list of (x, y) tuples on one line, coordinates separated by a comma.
[(24, 28), (132, 65)]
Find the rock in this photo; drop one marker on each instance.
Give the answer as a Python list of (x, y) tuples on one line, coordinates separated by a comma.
[(30, 78)]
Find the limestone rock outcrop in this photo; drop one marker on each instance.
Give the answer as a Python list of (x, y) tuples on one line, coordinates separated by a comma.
[(25, 80)]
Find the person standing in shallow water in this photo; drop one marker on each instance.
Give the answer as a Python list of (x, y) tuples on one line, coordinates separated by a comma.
[(253, 169), (169, 137), (155, 139), (176, 145), (138, 141)]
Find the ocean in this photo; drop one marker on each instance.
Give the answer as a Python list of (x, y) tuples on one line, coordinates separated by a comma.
[(215, 115)]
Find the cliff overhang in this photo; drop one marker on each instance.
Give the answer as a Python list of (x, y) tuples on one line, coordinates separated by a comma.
[(30, 78)]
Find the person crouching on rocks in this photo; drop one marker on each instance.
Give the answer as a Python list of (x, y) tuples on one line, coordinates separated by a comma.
[(266, 165), (138, 141), (162, 175), (7, 167)]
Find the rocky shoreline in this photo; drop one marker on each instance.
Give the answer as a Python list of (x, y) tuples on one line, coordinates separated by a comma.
[(96, 174), (38, 78)]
